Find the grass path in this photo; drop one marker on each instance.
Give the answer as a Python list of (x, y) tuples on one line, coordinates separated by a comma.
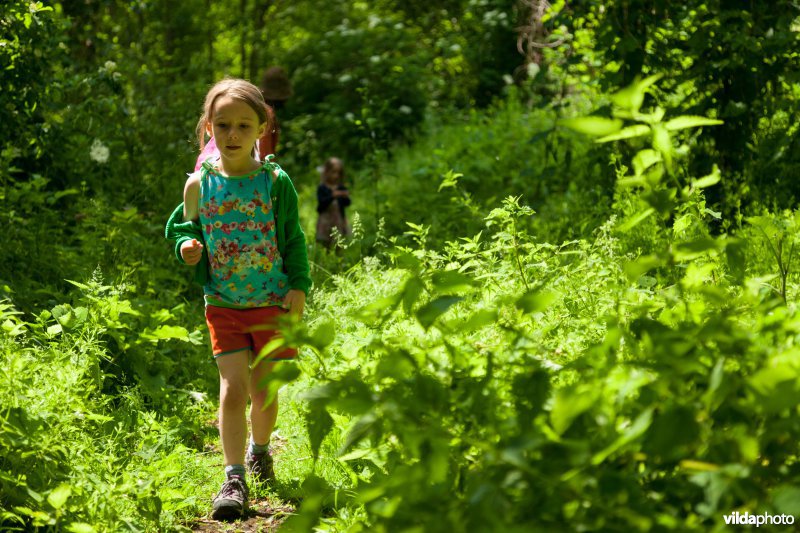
[(272, 505)]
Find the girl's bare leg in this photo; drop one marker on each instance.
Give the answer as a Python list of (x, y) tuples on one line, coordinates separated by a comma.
[(262, 419), (233, 388)]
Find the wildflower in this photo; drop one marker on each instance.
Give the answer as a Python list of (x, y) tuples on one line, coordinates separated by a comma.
[(99, 152)]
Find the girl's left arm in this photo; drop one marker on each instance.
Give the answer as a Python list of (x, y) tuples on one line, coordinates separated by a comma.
[(295, 254)]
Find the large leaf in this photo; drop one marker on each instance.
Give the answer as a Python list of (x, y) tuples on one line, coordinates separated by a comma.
[(569, 403), (319, 424), (631, 97), (689, 121), (536, 300), (644, 159), (630, 132), (598, 126), (429, 312)]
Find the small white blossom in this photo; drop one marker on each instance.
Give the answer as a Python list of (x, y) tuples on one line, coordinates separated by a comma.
[(533, 69), (197, 396), (99, 152), (508, 79), (405, 109)]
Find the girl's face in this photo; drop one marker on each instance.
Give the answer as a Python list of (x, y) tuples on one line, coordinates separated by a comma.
[(236, 128)]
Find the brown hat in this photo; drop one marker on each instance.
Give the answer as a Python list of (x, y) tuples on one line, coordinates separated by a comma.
[(275, 84)]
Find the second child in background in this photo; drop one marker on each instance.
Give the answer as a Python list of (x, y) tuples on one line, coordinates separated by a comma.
[(332, 199)]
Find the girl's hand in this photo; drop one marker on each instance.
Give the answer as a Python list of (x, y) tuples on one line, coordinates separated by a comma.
[(191, 252), (295, 301)]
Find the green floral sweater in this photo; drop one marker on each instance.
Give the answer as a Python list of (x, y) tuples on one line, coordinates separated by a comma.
[(289, 233)]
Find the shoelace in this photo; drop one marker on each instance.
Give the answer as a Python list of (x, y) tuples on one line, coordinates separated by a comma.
[(232, 487)]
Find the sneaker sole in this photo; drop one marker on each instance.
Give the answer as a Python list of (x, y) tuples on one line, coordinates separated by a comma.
[(228, 511)]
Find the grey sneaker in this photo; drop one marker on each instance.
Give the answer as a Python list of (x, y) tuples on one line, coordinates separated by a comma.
[(231, 502), (260, 466)]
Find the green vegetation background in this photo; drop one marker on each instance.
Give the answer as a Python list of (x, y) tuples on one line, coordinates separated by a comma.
[(531, 330)]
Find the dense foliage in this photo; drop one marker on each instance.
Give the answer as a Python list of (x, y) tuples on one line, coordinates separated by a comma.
[(569, 302)]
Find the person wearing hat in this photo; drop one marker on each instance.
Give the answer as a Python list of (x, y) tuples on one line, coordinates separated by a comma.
[(276, 89)]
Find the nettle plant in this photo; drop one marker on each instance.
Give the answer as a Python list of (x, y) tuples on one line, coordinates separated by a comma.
[(708, 407)]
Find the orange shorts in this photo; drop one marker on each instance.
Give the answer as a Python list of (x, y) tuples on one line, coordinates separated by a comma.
[(234, 330)]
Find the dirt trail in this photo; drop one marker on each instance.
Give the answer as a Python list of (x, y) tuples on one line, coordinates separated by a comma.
[(262, 518)]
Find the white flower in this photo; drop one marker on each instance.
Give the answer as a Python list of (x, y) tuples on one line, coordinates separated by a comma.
[(197, 396), (405, 109), (99, 152), (508, 79), (533, 69)]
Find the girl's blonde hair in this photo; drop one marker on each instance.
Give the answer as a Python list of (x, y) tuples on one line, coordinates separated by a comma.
[(235, 88)]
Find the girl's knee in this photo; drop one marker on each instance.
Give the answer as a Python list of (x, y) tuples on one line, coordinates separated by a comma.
[(233, 394)]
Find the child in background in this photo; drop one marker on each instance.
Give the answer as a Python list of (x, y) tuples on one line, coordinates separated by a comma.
[(239, 225), (332, 199)]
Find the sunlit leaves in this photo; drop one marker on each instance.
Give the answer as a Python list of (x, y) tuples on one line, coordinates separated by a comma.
[(688, 121), (596, 126), (429, 312), (569, 403), (628, 132), (631, 98)]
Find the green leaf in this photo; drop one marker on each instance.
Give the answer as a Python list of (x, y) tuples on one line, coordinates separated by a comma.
[(569, 403), (707, 181), (776, 388), (81, 527), (644, 159), (598, 126), (690, 121), (635, 220), (319, 423), (479, 319), (429, 312), (635, 269), (167, 332), (662, 142), (631, 97), (626, 133), (536, 300), (449, 180), (786, 499), (58, 497), (633, 432), (451, 281), (324, 335), (284, 372), (688, 250), (411, 292)]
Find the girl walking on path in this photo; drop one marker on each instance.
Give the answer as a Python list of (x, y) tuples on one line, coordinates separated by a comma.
[(332, 198), (239, 225)]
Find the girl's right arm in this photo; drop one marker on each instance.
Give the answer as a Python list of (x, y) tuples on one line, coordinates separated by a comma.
[(191, 250), (191, 197)]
